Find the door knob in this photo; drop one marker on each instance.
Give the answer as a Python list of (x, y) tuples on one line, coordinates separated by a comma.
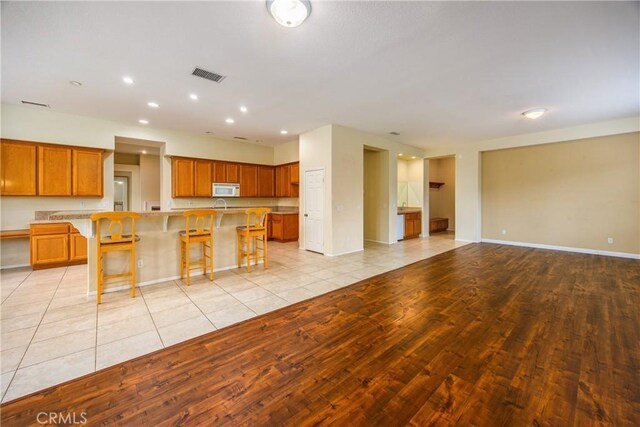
[(306, 215)]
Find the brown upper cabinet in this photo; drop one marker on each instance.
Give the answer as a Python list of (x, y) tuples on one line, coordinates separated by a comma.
[(232, 172), (193, 178), (18, 168), (202, 178), (54, 171), (248, 181), (219, 172), (36, 169), (266, 181), (87, 172), (182, 178)]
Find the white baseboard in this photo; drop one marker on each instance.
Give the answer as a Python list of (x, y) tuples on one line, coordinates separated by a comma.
[(564, 248), (468, 241), (377, 241), (346, 253), (164, 279), (6, 267)]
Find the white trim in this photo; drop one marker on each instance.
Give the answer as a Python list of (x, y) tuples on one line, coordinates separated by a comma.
[(564, 248), (378, 241), (470, 241), (346, 253), (4, 267)]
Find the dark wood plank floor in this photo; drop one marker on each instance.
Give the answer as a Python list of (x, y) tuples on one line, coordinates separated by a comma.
[(482, 335)]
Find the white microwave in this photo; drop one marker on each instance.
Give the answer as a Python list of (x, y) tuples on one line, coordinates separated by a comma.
[(220, 189)]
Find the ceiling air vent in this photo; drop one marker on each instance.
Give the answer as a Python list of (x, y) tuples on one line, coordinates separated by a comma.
[(37, 104), (208, 75), (394, 133), (240, 137)]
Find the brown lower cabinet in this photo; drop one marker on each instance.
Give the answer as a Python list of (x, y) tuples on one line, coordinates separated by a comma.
[(282, 227), (56, 245), (412, 224), (437, 225)]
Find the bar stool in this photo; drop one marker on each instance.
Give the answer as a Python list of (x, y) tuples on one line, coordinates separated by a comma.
[(254, 232), (115, 241), (198, 234)]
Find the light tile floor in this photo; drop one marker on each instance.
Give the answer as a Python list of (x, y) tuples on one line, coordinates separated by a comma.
[(52, 332)]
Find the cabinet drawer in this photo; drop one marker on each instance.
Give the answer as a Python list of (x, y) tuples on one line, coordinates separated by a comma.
[(276, 218), (43, 229)]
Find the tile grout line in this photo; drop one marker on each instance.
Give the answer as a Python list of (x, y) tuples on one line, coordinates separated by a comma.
[(152, 319), (19, 284), (34, 332)]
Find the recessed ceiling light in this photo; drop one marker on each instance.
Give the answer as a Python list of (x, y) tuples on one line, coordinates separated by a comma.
[(229, 120), (394, 133), (243, 109), (208, 132), (193, 96), (143, 121), (153, 104), (399, 154), (413, 157), (75, 83), (143, 152), (535, 113), (284, 132), (128, 80)]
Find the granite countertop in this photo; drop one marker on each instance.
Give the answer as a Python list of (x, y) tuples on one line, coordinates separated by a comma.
[(48, 217), (409, 209)]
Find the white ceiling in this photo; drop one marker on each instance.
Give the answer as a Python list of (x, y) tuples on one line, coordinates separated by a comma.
[(435, 72)]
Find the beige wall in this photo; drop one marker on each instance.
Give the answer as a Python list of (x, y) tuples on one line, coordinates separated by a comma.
[(286, 153), (468, 212), (442, 202), (574, 194), (149, 178)]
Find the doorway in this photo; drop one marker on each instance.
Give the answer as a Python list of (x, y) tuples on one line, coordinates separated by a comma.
[(121, 193), (314, 210), (442, 196)]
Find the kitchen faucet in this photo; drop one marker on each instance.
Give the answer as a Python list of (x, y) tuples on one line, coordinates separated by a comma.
[(215, 203)]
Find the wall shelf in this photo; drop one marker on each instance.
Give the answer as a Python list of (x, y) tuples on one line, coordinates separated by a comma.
[(433, 184)]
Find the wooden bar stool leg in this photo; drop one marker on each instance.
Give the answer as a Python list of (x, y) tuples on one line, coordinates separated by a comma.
[(265, 254), (187, 261), (99, 272), (211, 257), (133, 269), (248, 251)]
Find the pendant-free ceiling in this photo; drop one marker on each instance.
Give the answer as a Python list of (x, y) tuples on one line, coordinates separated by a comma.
[(289, 13)]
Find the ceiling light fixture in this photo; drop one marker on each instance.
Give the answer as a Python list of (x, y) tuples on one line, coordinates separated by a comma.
[(143, 122), (153, 104), (413, 157), (243, 109), (143, 152), (400, 154), (230, 120), (193, 96), (75, 83), (284, 132), (289, 13), (535, 113), (128, 80)]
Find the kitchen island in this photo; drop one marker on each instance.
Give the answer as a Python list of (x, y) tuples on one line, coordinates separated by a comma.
[(158, 251)]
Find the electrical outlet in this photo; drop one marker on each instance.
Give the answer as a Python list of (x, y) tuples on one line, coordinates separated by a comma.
[(140, 263), (610, 240), (503, 231), (82, 203)]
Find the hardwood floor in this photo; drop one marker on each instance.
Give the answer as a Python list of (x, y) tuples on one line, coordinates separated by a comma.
[(481, 335)]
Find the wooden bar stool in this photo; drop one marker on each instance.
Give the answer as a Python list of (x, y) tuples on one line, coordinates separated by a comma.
[(115, 241), (203, 218), (250, 235)]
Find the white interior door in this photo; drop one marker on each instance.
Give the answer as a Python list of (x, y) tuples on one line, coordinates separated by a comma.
[(314, 210)]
